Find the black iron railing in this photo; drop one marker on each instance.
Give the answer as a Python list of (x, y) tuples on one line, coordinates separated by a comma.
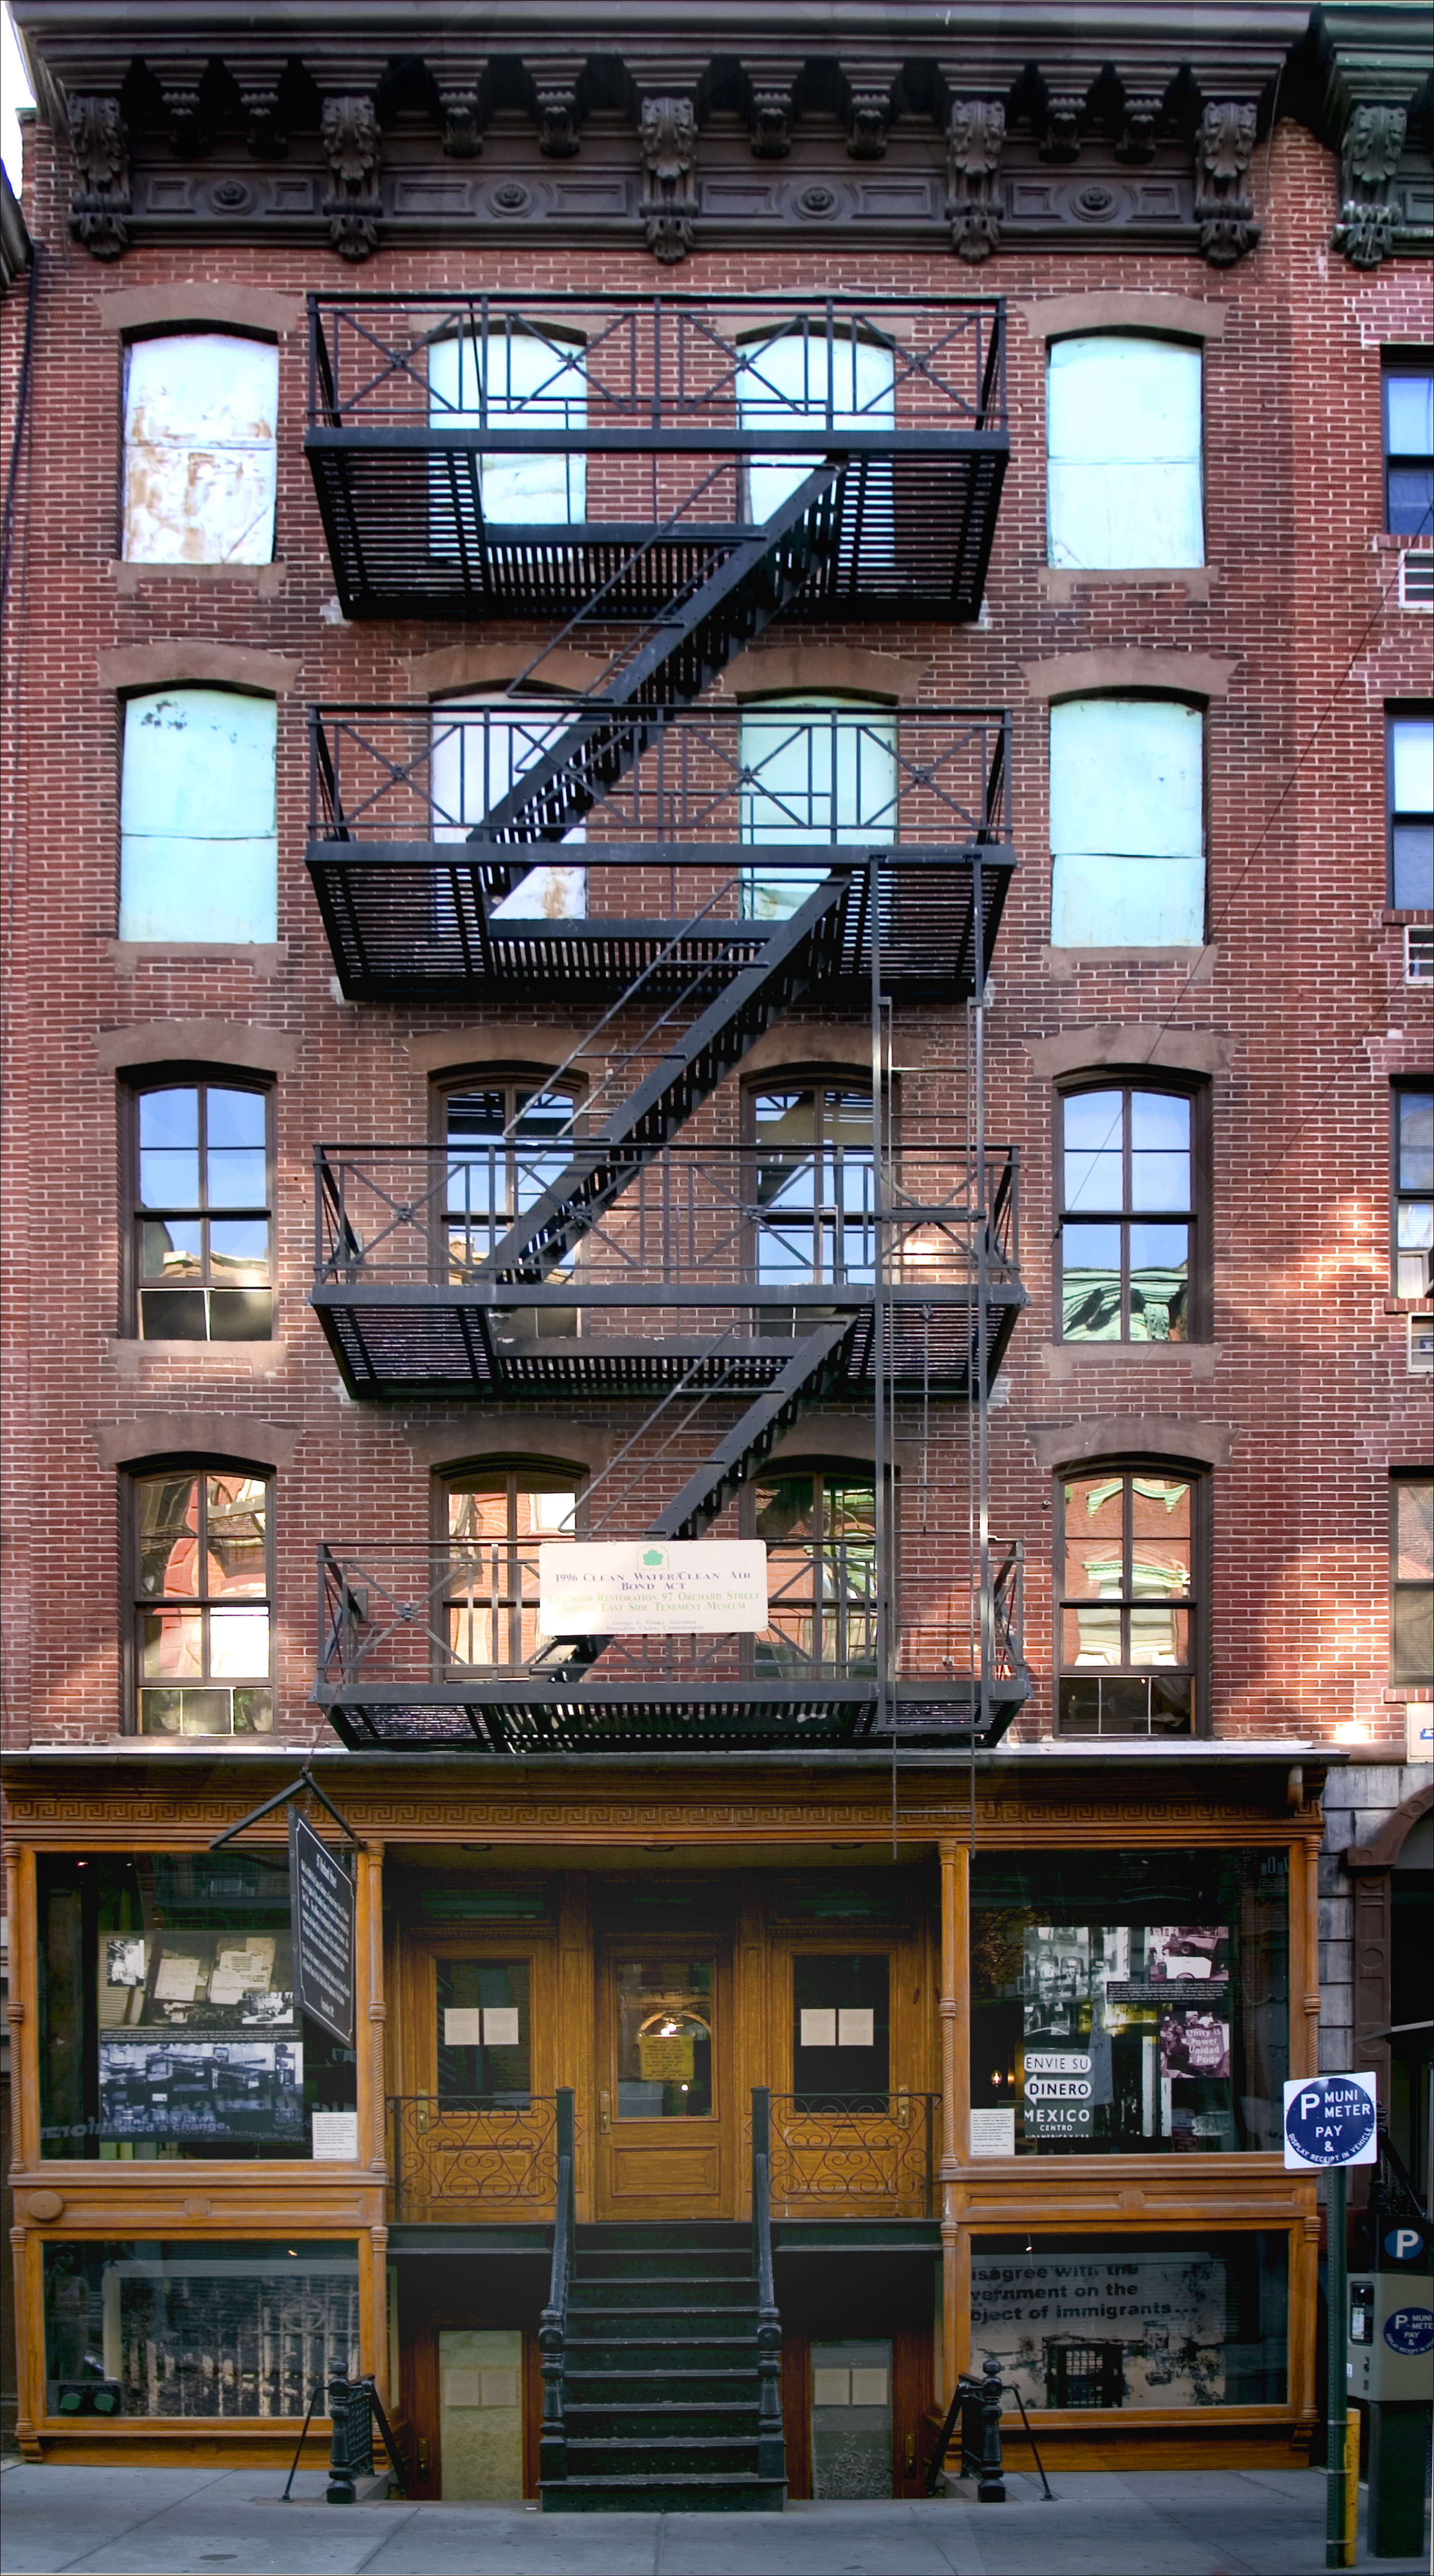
[(450, 2154), (773, 1219), (771, 2445), (872, 2154), (768, 777), (552, 2331), (759, 372)]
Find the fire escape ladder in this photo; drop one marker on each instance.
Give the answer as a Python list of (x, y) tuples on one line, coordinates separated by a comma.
[(815, 1367), (687, 644), (686, 1072)]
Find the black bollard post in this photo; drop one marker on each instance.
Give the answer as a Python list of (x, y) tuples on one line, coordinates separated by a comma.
[(991, 2488), (341, 2478)]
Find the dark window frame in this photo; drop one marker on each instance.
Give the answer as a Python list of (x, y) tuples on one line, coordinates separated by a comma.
[(137, 1084), (199, 1465), (824, 1470), (1400, 1477), (1397, 712), (1401, 1087), (1128, 1079), (1402, 362), (511, 1474), (1197, 1601)]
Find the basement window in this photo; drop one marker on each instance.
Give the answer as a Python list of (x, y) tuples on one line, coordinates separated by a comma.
[(200, 437), (1127, 823), (199, 847), (1123, 442)]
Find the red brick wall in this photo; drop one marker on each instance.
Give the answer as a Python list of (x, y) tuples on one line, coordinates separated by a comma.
[(1307, 1364)]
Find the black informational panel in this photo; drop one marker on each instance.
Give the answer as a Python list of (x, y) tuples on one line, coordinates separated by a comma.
[(321, 1898)]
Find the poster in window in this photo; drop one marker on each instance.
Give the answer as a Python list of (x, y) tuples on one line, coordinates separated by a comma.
[(158, 2087), (1194, 2043)]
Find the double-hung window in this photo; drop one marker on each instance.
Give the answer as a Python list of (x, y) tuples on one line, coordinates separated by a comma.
[(807, 377), (820, 1530), (477, 754), (200, 438), (1413, 1143), (513, 377), (199, 829), (814, 774), (506, 1143), (1128, 1214), (494, 1522), (1411, 1570), (1409, 778), (202, 1213), (1127, 1602), (202, 1641), (1123, 445), (814, 1185), (1409, 443), (1127, 805)]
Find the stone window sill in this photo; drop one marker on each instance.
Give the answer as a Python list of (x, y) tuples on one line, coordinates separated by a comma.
[(263, 958), (267, 579), (1061, 582), (136, 1359), (1061, 963), (1060, 1359)]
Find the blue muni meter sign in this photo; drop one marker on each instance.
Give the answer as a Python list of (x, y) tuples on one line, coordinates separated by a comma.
[(1329, 2120)]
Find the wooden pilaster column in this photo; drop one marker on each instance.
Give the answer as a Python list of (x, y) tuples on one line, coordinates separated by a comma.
[(1304, 1957), (955, 2106), (23, 2008), (371, 2013)]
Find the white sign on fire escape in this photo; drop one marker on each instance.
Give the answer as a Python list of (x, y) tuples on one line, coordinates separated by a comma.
[(652, 1588)]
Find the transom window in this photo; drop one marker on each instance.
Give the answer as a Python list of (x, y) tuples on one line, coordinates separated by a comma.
[(1409, 773), (203, 1654), (1413, 1189), (200, 434), (1411, 1605), (820, 1529), (494, 1521), (1127, 823), (1127, 1217), (1127, 1603), (1123, 442), (1409, 443), (815, 1182), (202, 1224)]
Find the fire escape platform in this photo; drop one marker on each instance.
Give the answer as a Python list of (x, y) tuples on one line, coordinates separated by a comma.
[(760, 1714)]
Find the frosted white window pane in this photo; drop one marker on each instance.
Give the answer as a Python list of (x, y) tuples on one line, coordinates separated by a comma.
[(1127, 826), (1123, 443), (532, 383), (201, 414), (795, 380), (1410, 401), (1412, 745), (198, 817), (815, 773), (472, 768)]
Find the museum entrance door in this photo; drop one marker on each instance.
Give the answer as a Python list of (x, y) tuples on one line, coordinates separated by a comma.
[(668, 2133)]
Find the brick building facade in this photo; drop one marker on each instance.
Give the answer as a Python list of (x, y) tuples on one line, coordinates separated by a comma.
[(1195, 1062)]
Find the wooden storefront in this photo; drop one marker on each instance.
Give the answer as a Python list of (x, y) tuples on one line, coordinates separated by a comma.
[(661, 1948)]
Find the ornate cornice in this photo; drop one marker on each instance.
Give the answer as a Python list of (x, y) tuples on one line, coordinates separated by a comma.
[(599, 122)]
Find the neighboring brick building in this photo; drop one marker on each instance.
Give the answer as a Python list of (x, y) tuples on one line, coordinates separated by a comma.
[(937, 523)]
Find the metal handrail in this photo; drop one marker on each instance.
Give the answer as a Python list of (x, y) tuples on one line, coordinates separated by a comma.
[(644, 366), (552, 2330), (771, 2447)]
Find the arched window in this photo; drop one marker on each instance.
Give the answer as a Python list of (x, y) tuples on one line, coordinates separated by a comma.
[(202, 1578), (478, 750), (1129, 1602), (1123, 444), (507, 1141), (199, 828), (200, 1153), (802, 377), (1129, 1177), (813, 1183), (820, 1528), (512, 377), (815, 771), (494, 1518), (200, 435), (1127, 823)]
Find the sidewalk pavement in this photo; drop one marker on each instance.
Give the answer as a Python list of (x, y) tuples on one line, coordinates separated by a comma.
[(201, 2522)]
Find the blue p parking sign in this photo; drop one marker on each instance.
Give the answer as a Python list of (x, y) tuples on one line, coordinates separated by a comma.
[(1329, 2120)]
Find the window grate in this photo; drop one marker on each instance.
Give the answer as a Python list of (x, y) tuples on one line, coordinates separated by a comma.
[(1416, 578)]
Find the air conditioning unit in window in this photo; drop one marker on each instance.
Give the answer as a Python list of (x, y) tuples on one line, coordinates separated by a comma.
[(1421, 1345), (1418, 953), (1416, 578)]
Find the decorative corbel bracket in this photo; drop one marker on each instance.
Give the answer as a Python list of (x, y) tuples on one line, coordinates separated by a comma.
[(1137, 131), (458, 105), (771, 116), (667, 138), (350, 139), (868, 110), (1224, 210), (1061, 139), (189, 134), (101, 201), (1369, 157), (259, 98), (975, 136), (559, 113)]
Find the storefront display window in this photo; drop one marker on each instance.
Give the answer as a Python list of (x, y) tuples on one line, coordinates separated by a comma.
[(169, 2025), (1101, 2026), (190, 2329), (1134, 2320)]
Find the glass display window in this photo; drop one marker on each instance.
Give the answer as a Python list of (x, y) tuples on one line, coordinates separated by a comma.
[(1101, 2026), (196, 2329), (1151, 2322), (169, 2024)]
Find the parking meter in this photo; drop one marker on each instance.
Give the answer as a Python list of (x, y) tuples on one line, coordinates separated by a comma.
[(1390, 2359)]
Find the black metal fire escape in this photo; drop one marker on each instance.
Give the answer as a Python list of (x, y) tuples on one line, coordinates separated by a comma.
[(670, 603)]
